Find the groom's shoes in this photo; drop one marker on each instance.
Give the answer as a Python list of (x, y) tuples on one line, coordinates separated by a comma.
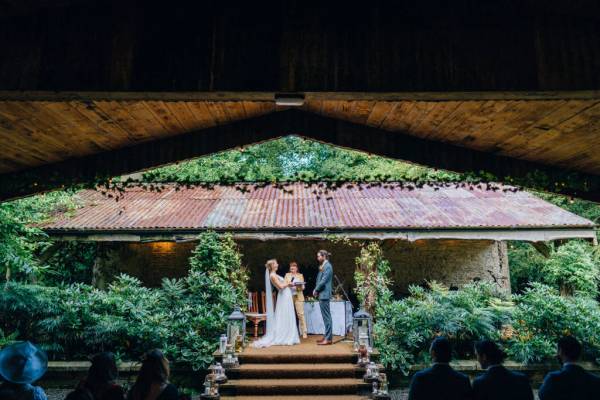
[(324, 342)]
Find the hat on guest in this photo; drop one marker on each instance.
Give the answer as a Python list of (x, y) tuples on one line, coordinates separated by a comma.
[(22, 363)]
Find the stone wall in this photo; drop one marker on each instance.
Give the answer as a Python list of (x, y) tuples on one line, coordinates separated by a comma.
[(452, 262)]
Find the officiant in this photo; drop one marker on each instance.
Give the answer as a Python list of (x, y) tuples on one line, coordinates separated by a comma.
[(295, 276)]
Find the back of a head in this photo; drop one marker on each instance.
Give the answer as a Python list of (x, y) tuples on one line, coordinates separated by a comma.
[(154, 369), (570, 348), (491, 350), (441, 350), (103, 369), (80, 394)]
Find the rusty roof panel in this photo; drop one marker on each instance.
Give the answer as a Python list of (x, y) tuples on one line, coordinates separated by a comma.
[(314, 207)]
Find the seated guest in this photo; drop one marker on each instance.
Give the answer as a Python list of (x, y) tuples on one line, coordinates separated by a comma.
[(153, 379), (498, 383), (572, 381), (440, 381), (100, 381), (21, 364)]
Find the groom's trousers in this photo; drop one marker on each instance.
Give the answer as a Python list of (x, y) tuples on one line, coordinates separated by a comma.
[(326, 313)]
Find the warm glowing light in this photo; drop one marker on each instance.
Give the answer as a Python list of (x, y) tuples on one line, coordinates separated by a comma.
[(162, 247)]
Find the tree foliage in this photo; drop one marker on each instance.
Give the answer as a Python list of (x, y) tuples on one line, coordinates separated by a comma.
[(184, 316), (289, 159)]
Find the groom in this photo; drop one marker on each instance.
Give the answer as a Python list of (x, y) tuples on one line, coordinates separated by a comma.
[(323, 291)]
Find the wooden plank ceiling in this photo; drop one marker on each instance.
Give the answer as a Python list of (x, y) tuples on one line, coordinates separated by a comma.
[(559, 132)]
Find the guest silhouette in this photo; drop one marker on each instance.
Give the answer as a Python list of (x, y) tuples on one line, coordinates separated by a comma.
[(21, 364), (572, 381), (100, 382), (153, 379), (498, 383), (440, 381)]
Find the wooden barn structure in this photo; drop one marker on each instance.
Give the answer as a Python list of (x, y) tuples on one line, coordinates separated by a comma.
[(91, 89), (454, 235)]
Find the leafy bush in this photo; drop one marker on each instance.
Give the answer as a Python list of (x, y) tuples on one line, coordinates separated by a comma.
[(528, 327), (406, 327), (184, 316), (572, 269), (541, 316), (371, 277)]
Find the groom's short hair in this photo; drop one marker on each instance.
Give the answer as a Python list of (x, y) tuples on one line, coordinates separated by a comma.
[(293, 263), (324, 253)]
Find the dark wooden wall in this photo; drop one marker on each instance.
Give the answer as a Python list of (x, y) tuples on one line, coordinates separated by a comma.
[(290, 45)]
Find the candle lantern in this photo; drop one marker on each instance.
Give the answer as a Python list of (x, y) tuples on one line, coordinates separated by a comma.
[(362, 330), (219, 373), (236, 326), (222, 343), (230, 360), (363, 356), (383, 384), (211, 388), (381, 388)]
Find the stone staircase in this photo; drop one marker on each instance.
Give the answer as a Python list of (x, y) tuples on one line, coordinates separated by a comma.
[(296, 373)]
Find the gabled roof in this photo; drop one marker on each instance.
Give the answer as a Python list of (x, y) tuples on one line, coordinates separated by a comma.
[(300, 210)]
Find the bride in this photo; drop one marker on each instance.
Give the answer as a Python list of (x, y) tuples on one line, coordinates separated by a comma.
[(281, 323)]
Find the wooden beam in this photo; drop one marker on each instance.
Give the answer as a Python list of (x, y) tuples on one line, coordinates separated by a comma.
[(12, 95), (395, 145)]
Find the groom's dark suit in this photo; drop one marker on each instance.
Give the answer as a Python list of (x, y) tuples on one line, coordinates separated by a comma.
[(324, 287)]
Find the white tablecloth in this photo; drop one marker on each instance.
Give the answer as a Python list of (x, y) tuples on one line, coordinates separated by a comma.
[(314, 320)]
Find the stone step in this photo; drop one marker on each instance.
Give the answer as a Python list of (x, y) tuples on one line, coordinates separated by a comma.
[(326, 386), (292, 358), (295, 371)]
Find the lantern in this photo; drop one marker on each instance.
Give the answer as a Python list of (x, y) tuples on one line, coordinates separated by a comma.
[(363, 330), (219, 373), (230, 360), (222, 343), (372, 373), (363, 356), (211, 388), (236, 327), (383, 384)]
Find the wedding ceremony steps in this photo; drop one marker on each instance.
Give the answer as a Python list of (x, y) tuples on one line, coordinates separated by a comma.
[(298, 372)]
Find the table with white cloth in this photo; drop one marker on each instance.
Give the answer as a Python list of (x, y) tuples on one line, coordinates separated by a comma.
[(341, 314)]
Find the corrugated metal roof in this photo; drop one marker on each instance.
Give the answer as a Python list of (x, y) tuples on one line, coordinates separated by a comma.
[(312, 207)]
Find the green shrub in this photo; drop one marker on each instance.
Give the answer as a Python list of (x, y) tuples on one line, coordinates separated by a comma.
[(572, 269), (542, 316), (406, 327), (371, 277), (184, 316)]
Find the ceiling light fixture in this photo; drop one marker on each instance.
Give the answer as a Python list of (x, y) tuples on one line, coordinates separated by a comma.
[(289, 99)]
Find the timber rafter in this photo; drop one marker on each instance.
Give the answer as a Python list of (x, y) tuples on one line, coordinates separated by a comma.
[(395, 145)]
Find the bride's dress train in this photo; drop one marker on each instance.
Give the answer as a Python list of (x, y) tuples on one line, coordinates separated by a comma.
[(281, 324)]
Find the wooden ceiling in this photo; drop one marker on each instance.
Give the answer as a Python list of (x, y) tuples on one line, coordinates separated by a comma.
[(563, 133), (556, 131), (34, 133)]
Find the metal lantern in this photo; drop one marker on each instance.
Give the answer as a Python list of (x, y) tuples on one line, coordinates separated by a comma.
[(211, 388), (230, 360), (363, 356), (222, 343), (236, 327), (219, 373), (383, 384), (363, 330), (372, 373)]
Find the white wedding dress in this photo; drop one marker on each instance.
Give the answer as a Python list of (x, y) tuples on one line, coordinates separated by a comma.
[(282, 329)]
